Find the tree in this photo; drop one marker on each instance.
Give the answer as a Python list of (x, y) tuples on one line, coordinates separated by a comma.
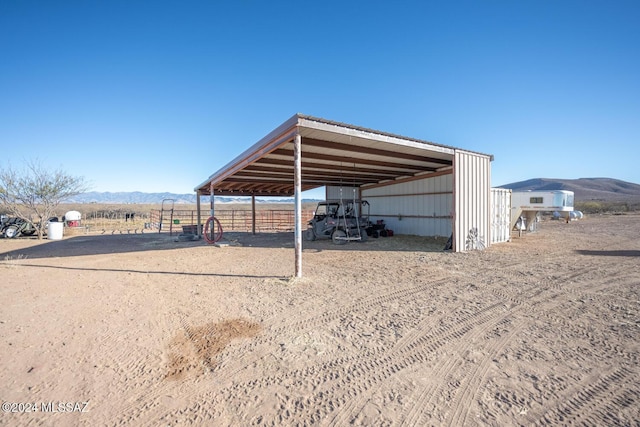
[(35, 193)]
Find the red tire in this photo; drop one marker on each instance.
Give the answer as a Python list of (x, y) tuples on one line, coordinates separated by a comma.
[(212, 230)]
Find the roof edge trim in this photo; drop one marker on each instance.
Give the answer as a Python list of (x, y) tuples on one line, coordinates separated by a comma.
[(367, 133)]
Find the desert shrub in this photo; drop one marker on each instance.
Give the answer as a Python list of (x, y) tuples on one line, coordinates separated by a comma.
[(595, 206)]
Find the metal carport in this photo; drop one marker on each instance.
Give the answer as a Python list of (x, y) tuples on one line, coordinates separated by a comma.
[(308, 152)]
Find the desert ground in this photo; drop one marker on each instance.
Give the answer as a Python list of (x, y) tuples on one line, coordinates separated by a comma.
[(145, 330)]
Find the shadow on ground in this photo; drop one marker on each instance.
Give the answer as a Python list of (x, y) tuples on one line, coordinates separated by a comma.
[(625, 253), (96, 245), (110, 244)]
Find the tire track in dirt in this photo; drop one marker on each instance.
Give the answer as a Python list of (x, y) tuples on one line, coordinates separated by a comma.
[(124, 366), (546, 289), (244, 354), (543, 307), (590, 402), (613, 286), (476, 376), (356, 376), (440, 338), (537, 289), (362, 380), (193, 348), (425, 401), (467, 378), (348, 378), (473, 378), (599, 340), (116, 362), (352, 370), (417, 350), (154, 388)]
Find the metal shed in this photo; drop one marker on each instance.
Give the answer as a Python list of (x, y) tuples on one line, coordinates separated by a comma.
[(435, 189)]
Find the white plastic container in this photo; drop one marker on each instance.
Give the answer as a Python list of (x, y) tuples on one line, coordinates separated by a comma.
[(55, 230), (72, 216)]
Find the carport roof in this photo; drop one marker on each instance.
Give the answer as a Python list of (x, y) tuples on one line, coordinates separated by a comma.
[(333, 153)]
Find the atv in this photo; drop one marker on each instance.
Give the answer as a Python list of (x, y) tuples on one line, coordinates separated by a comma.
[(14, 227), (339, 221)]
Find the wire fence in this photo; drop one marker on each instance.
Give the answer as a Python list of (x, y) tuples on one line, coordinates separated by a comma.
[(113, 220), (184, 220), (132, 219), (272, 220)]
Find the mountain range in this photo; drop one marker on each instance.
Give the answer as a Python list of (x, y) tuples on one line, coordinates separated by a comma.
[(598, 189), (584, 189), (138, 197)]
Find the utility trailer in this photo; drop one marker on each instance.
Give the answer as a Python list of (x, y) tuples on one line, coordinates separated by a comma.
[(526, 205)]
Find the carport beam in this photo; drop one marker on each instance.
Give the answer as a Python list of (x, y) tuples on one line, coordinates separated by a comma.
[(297, 184)]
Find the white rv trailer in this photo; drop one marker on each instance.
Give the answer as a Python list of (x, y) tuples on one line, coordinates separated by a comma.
[(525, 205)]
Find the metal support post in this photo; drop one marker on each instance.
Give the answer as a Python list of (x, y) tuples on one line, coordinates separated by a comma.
[(198, 216), (253, 213), (297, 184)]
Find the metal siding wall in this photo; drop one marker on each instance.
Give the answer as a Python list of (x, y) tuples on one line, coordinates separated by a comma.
[(389, 203), (472, 175), (333, 192), (500, 215)]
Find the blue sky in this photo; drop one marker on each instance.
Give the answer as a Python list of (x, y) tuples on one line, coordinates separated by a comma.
[(157, 95)]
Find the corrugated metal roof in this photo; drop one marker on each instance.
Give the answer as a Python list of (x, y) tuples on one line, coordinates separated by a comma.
[(333, 153)]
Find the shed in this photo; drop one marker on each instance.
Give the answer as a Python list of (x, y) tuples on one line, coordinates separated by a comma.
[(418, 187)]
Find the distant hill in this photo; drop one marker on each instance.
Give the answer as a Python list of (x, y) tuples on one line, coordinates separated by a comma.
[(137, 197), (130, 197), (585, 189)]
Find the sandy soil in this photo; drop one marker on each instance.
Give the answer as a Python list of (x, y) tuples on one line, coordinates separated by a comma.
[(149, 331)]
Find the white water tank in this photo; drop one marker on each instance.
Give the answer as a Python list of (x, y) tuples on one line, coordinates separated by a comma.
[(72, 218)]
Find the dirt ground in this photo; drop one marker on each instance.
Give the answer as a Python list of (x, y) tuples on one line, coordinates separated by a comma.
[(144, 330)]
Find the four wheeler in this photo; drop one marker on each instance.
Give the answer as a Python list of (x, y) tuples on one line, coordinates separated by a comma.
[(339, 221), (14, 227)]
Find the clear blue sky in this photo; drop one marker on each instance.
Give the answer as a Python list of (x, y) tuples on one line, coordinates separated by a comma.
[(157, 95)]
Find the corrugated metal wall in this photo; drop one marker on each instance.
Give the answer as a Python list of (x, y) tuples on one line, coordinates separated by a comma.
[(472, 201), (420, 207), (435, 206), (500, 215)]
